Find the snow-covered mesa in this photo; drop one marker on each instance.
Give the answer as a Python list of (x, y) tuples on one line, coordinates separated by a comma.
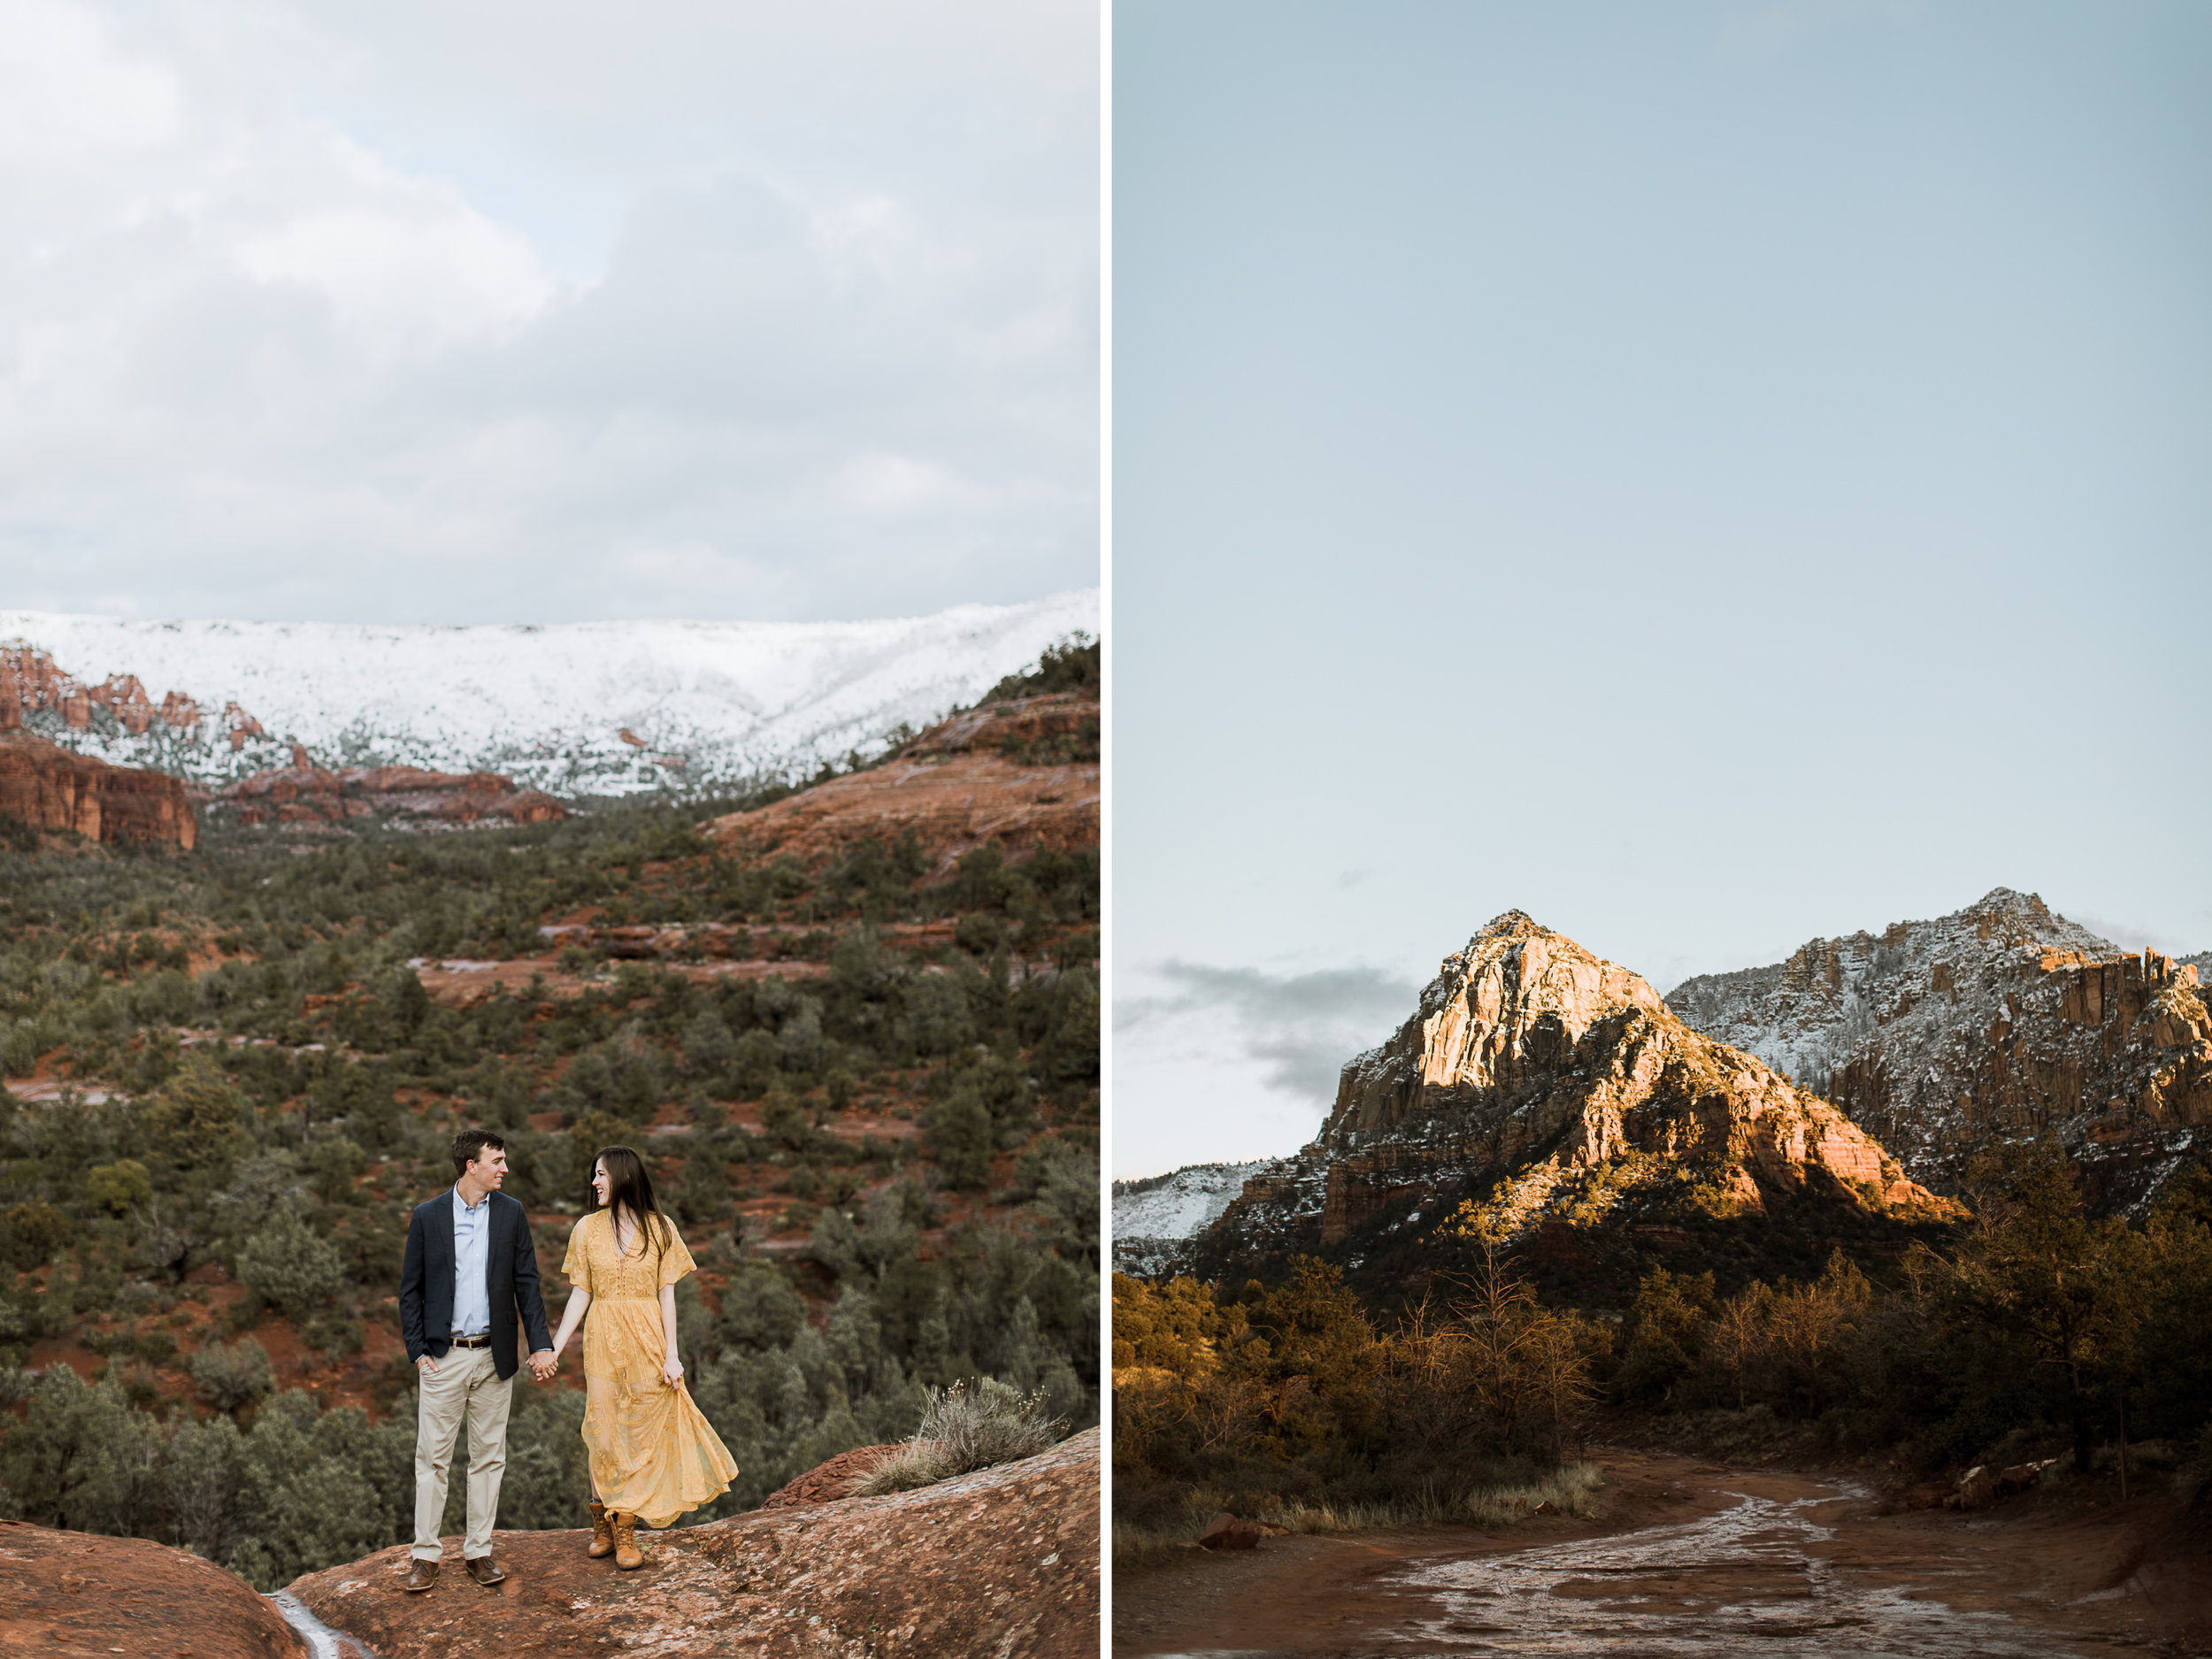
[(576, 709)]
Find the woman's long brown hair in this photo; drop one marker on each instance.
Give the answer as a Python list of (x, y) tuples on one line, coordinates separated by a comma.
[(629, 1187)]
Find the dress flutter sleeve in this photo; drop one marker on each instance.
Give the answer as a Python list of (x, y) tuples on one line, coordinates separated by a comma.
[(675, 1260), (576, 1265)]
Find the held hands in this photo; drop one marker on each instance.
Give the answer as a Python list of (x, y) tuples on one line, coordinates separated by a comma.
[(544, 1363)]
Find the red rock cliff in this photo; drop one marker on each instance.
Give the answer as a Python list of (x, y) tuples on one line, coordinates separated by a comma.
[(304, 792), (50, 788), (30, 681)]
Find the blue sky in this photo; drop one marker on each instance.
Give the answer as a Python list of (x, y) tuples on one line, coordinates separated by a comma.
[(1706, 475), (500, 312)]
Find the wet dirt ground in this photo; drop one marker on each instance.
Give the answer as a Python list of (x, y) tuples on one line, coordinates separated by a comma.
[(1694, 1559)]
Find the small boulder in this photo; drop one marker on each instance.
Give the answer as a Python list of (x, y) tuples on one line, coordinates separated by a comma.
[(77, 1593), (1547, 1508), (2020, 1477), (1977, 1487), (1226, 1532)]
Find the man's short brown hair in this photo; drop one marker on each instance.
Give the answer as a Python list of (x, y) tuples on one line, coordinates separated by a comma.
[(469, 1145)]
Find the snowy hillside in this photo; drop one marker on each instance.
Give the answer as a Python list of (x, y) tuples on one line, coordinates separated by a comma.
[(1929, 988), (1154, 1217), (2003, 1021), (602, 707)]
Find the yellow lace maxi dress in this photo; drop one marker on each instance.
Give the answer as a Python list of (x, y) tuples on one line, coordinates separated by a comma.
[(653, 1453)]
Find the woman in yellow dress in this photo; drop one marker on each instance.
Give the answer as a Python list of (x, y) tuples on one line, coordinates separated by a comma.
[(654, 1456)]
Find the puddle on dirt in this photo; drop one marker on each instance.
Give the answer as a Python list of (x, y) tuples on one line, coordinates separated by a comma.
[(1751, 1578)]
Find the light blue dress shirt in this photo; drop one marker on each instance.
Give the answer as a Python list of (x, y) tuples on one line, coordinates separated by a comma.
[(472, 1264)]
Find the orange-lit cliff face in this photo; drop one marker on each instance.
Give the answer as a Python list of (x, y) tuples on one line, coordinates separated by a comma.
[(1537, 1088), (52, 790)]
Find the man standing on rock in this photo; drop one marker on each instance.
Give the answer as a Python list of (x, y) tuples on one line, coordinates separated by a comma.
[(470, 1266)]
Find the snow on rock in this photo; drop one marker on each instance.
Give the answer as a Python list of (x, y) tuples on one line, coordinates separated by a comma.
[(590, 709), (1154, 1217), (2002, 1020)]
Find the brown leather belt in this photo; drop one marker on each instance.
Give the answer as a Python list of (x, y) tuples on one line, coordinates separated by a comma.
[(473, 1341)]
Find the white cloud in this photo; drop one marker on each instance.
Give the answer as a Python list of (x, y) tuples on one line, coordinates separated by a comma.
[(406, 265), (444, 314), (1294, 1029), (67, 97), (890, 485)]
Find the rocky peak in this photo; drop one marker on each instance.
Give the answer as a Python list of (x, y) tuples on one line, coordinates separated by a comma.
[(1514, 1003), (2003, 1019), (1542, 1085)]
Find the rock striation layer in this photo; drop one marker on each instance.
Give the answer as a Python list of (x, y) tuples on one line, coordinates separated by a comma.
[(50, 790), (1004, 1561), (2002, 1020), (1013, 772), (307, 795), (1539, 1087)]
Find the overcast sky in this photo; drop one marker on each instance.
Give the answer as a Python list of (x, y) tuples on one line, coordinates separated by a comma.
[(1709, 475), (426, 312)]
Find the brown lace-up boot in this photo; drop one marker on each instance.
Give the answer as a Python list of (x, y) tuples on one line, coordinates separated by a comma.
[(602, 1531), (626, 1553)]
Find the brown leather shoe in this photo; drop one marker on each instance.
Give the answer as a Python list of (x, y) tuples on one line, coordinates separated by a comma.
[(485, 1570), (626, 1553), (602, 1531), (425, 1575)]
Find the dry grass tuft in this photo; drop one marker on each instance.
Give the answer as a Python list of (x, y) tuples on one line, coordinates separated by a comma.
[(965, 1429), (1571, 1490)]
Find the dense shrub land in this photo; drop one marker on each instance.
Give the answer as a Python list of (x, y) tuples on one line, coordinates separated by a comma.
[(2032, 1331), (1296, 1402), (875, 1116)]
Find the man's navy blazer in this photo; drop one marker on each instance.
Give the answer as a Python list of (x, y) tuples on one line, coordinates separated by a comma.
[(426, 1281)]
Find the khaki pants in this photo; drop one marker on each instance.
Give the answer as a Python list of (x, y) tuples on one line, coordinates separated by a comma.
[(465, 1382)]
